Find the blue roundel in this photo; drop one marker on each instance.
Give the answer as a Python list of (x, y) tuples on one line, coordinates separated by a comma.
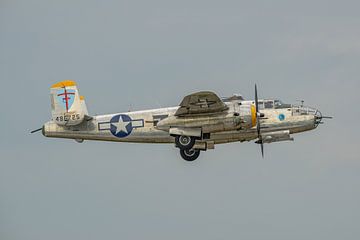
[(121, 125), (281, 117)]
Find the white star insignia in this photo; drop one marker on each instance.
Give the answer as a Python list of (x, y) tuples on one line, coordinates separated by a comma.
[(121, 126)]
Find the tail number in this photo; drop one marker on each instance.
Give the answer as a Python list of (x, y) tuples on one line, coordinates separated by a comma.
[(66, 118)]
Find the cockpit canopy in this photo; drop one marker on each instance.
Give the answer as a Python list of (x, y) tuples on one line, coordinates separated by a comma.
[(263, 104), (271, 104)]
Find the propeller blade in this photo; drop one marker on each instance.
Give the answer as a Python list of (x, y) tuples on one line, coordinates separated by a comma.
[(257, 111), (256, 100), (34, 131), (258, 127)]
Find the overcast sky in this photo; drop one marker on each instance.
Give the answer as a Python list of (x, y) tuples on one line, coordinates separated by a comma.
[(145, 54)]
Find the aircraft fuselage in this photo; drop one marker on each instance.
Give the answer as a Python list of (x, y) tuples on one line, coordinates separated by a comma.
[(141, 126)]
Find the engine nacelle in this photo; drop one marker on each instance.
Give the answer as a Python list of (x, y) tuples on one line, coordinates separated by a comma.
[(244, 117), (247, 116)]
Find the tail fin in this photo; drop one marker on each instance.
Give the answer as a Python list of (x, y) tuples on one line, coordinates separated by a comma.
[(67, 106), (83, 105)]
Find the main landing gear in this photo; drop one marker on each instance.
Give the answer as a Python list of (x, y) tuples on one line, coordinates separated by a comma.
[(186, 144), (190, 154)]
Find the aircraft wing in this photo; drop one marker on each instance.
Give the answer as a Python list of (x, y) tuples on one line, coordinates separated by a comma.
[(201, 102)]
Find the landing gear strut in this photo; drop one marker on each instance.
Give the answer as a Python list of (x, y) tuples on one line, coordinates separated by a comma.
[(189, 154), (184, 142)]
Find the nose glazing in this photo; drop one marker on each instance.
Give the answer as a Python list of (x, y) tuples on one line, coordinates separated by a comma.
[(301, 110), (311, 112), (317, 118)]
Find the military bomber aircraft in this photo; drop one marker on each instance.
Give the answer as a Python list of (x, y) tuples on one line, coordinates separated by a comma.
[(200, 122)]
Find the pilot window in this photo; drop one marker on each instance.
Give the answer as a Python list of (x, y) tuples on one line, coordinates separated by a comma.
[(261, 105), (269, 104), (277, 103)]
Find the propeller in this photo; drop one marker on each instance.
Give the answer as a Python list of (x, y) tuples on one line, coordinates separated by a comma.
[(34, 131), (258, 127)]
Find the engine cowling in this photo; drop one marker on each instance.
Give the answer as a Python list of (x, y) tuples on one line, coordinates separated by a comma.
[(247, 116), (244, 117)]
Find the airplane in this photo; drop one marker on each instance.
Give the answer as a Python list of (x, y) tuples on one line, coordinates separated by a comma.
[(201, 121)]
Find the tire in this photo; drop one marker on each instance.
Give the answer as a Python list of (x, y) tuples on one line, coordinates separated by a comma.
[(190, 154), (184, 142)]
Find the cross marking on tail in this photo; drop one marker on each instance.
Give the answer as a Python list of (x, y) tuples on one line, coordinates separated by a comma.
[(66, 98)]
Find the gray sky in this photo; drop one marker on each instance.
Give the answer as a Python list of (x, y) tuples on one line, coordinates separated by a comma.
[(142, 54)]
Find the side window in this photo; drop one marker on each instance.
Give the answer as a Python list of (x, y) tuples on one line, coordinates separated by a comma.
[(269, 104), (277, 103)]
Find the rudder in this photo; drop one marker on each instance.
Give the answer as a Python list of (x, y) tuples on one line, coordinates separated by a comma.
[(67, 106)]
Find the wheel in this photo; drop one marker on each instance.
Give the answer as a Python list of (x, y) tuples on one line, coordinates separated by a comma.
[(184, 142), (190, 154)]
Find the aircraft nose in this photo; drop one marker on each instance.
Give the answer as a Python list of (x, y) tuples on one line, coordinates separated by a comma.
[(317, 117), (310, 111)]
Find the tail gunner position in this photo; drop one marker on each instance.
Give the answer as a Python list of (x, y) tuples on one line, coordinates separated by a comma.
[(200, 122)]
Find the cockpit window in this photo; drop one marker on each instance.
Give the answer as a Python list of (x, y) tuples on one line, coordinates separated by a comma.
[(269, 104), (261, 105), (277, 103)]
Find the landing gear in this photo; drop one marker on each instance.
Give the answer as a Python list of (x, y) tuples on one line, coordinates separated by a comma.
[(189, 154), (184, 142)]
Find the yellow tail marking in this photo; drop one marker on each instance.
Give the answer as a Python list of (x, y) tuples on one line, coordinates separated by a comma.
[(65, 83)]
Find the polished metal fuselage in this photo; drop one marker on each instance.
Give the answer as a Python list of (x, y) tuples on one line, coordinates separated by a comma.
[(143, 127)]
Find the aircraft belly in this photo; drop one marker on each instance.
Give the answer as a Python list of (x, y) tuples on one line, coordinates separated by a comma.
[(148, 135)]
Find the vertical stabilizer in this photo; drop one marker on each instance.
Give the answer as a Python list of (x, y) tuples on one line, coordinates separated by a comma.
[(67, 106)]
